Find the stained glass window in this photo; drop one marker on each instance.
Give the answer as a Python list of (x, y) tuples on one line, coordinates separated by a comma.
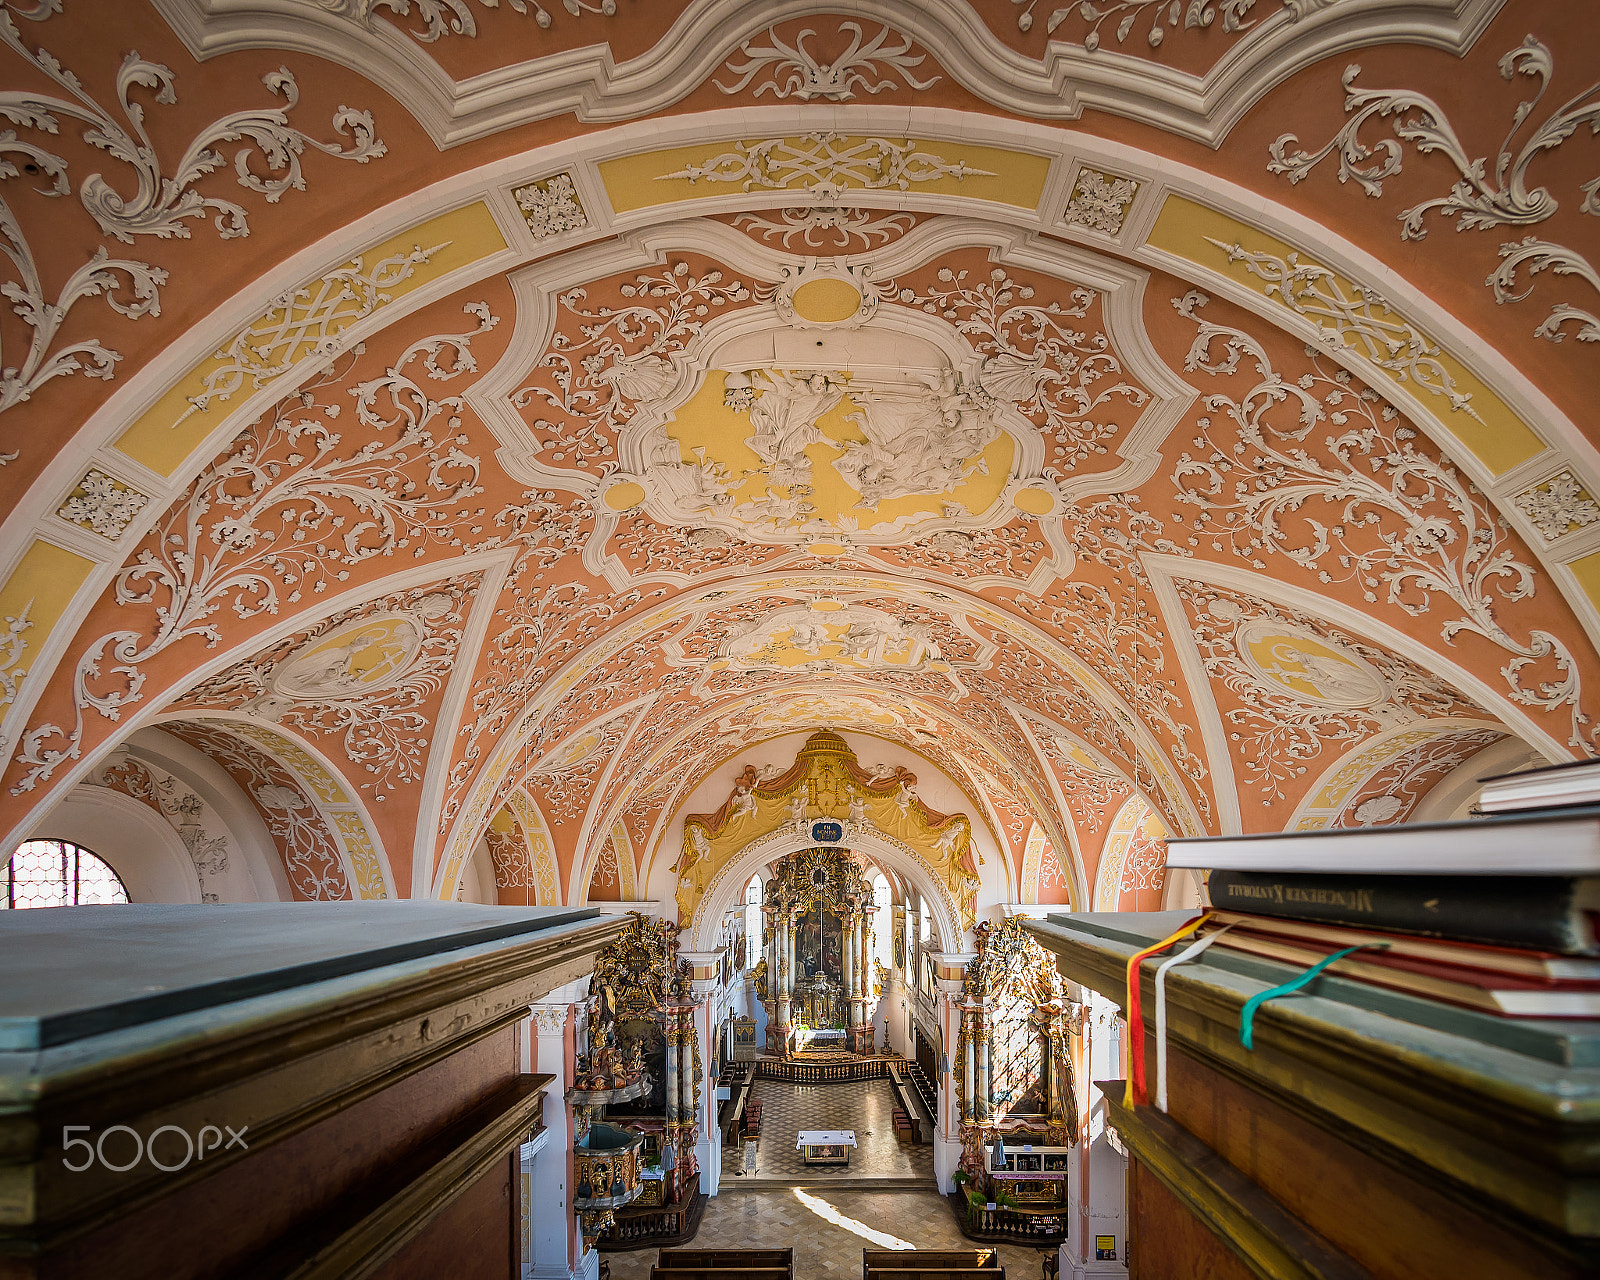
[(57, 873)]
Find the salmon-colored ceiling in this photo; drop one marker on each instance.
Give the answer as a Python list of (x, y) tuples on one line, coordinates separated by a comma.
[(533, 409)]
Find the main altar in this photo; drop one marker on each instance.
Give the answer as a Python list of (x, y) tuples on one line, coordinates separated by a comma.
[(818, 933)]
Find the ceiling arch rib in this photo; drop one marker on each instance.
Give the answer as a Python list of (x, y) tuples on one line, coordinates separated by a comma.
[(600, 359), (1583, 600), (824, 660), (925, 730)]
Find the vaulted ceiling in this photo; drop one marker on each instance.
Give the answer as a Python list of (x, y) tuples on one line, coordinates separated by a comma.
[(503, 417)]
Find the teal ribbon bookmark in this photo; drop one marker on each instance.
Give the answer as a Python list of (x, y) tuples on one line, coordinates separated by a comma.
[(1247, 1015)]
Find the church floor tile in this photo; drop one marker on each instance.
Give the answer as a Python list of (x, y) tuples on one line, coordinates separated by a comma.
[(863, 1106), (827, 1230)]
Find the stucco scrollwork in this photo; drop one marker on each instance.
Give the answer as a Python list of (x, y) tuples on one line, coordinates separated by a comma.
[(1394, 518), (869, 66), (1484, 196), (12, 649), (1299, 684), (455, 17), (827, 160), (229, 540), (827, 226), (1540, 255), (189, 815), (130, 288), (161, 206), (618, 355), (1033, 356), (366, 674), (1164, 17), (310, 851), (306, 321), (1364, 321)]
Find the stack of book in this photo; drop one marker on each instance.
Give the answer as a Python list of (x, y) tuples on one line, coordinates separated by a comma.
[(1500, 914)]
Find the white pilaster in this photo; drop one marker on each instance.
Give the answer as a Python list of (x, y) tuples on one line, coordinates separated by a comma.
[(553, 1243), (1097, 1181)]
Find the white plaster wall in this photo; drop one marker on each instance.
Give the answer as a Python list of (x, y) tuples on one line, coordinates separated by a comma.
[(477, 878), (1097, 1184), (138, 843), (1453, 796), (255, 867)]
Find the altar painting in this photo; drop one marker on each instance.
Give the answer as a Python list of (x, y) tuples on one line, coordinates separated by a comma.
[(819, 968), (646, 1032), (1021, 1068), (818, 945)]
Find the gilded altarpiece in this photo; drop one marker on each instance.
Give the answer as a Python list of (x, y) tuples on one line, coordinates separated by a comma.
[(642, 1072), (827, 784), (1014, 1082), (819, 911)]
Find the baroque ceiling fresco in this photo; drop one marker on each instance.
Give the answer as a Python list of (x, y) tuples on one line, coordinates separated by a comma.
[(475, 425)]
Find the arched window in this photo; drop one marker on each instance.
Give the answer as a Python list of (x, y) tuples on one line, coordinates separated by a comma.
[(882, 921), (752, 922), (57, 873)]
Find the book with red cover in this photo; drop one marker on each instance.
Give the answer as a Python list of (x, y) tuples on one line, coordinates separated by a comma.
[(1512, 961), (1503, 994)]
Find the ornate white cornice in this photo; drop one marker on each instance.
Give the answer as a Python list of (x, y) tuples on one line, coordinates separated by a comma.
[(1068, 80)]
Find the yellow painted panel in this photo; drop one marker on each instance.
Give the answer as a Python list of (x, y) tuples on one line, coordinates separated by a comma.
[(1586, 569), (1036, 502), (171, 429), (1009, 177), (625, 496), (1500, 440), (826, 301), (38, 593)]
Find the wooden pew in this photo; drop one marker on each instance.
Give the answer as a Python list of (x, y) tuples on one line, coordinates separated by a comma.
[(701, 1259), (720, 1273), (911, 1102), (732, 1119), (931, 1264)]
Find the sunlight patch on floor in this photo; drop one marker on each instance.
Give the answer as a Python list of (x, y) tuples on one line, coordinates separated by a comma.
[(828, 1213)]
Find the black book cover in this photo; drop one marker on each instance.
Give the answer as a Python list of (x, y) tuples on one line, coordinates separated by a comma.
[(1536, 913)]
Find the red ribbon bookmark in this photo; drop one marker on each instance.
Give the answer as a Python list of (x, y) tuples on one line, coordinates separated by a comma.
[(1135, 1093)]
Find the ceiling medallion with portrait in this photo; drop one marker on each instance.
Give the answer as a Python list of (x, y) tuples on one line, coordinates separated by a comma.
[(1313, 669)]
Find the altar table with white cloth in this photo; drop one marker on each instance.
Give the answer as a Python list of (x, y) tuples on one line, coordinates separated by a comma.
[(825, 1146)]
